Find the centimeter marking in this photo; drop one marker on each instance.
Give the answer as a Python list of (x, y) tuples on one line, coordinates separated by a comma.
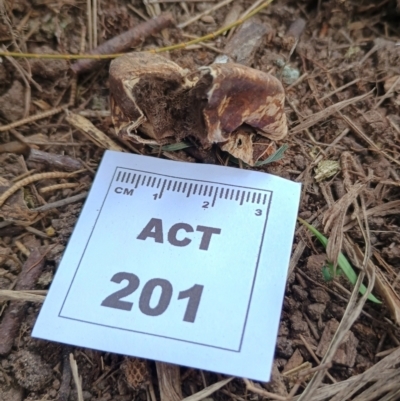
[(191, 188)]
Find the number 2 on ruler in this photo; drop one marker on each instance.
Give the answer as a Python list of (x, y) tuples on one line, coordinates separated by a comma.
[(114, 300)]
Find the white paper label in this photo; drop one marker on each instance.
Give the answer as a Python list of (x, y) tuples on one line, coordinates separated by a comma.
[(178, 262)]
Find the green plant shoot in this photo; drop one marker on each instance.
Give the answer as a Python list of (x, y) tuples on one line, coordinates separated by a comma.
[(343, 263)]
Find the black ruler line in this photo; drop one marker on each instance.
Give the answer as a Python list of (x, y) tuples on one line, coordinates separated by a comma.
[(175, 184), (118, 175), (163, 187), (148, 181), (127, 178), (215, 196), (189, 190), (242, 199), (137, 181), (133, 178)]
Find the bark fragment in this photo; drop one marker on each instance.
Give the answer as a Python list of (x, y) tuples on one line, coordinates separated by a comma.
[(15, 312), (246, 41)]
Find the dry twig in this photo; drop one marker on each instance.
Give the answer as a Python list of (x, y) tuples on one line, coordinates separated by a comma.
[(169, 381), (125, 41), (61, 203), (98, 137), (15, 312), (75, 375), (324, 114), (201, 395)]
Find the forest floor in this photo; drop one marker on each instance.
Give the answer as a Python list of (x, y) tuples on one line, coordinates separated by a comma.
[(339, 62)]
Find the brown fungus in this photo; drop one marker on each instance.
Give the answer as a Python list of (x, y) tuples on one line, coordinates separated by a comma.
[(143, 90), (240, 145), (222, 103), (242, 95)]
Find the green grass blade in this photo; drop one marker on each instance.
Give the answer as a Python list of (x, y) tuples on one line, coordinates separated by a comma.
[(278, 155), (173, 147), (342, 261)]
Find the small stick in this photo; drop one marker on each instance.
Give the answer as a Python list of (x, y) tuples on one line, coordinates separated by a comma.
[(298, 80), (203, 13), (24, 175), (89, 18), (386, 352), (245, 15), (12, 295), (316, 359), (182, 45), (14, 147), (53, 161), (125, 41), (356, 129), (388, 93), (61, 203), (15, 312), (213, 35), (341, 88), (75, 375), (292, 36), (25, 76), (22, 248), (251, 387), (138, 12), (65, 388), (36, 232), (22, 73), (92, 132), (94, 23), (169, 381)]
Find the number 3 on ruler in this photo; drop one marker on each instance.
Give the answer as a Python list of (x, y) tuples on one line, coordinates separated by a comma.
[(114, 300)]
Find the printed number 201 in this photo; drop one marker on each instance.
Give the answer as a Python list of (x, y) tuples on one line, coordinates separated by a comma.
[(114, 300)]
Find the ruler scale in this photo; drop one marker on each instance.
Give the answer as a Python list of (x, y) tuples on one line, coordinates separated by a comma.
[(172, 184), (177, 262)]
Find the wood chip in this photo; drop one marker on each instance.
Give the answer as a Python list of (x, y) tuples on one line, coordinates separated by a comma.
[(246, 41), (98, 137)]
